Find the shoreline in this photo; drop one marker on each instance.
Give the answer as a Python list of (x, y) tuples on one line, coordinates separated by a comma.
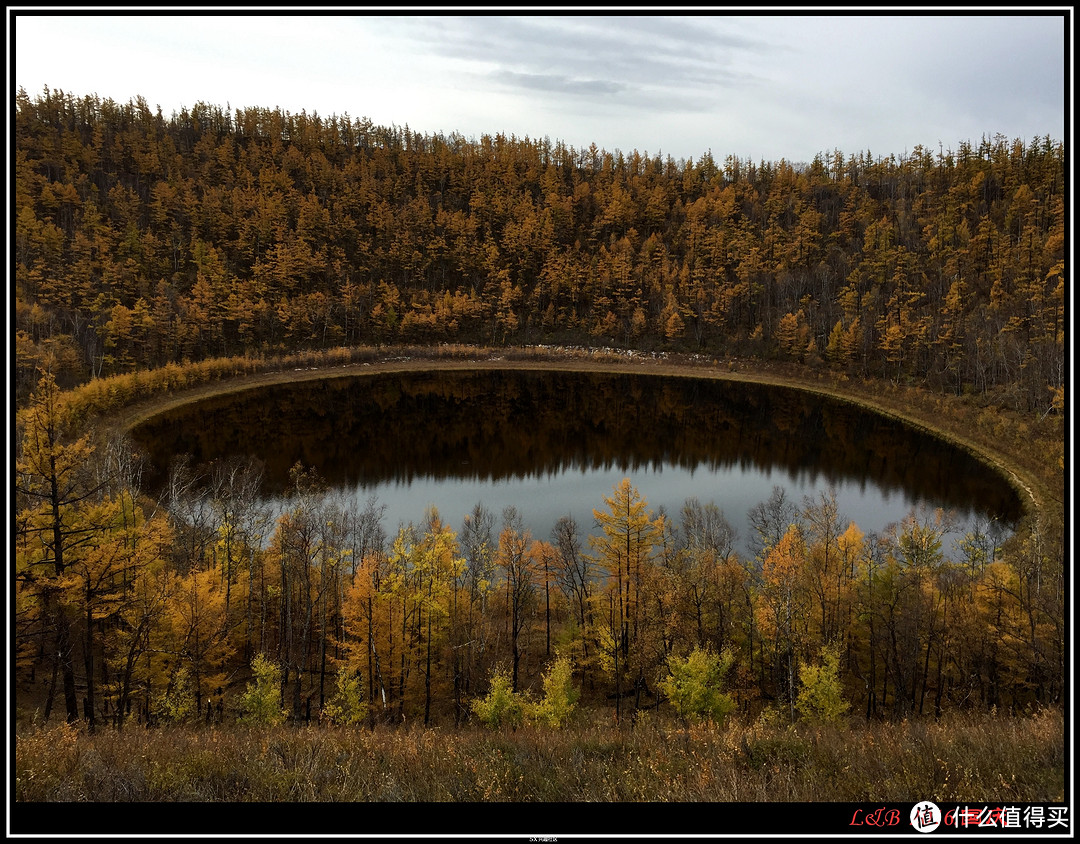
[(1029, 488), (1031, 491)]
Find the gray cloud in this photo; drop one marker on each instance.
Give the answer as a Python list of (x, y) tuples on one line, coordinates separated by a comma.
[(557, 84), (629, 55), (760, 87)]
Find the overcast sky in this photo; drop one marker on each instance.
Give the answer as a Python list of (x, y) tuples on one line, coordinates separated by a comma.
[(760, 87)]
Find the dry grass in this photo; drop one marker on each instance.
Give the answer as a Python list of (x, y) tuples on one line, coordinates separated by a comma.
[(963, 757)]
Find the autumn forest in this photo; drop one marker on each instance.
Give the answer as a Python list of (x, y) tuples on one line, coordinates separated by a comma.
[(141, 240), (148, 244)]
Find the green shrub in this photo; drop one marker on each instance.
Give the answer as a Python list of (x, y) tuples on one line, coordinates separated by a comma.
[(178, 703), (347, 706), (502, 706), (693, 687), (560, 696), (821, 696), (260, 703)]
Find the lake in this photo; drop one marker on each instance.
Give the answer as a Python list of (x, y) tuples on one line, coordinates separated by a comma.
[(555, 443)]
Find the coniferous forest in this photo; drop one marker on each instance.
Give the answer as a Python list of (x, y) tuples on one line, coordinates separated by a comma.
[(144, 243), (142, 240)]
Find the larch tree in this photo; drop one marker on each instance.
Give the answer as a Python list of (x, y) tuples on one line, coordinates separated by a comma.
[(707, 539), (54, 487), (624, 550), (824, 572), (439, 560), (783, 606), (574, 576), (520, 578), (478, 546)]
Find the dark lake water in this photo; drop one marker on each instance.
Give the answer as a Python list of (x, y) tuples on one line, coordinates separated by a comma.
[(554, 443)]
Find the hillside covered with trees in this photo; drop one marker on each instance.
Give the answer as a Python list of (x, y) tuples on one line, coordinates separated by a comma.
[(142, 241)]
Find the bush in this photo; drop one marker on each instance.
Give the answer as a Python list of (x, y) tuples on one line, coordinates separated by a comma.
[(821, 698), (260, 705), (347, 705), (178, 703), (502, 705), (560, 696), (693, 686)]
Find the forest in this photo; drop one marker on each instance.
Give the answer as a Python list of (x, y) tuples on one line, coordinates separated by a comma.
[(148, 244), (141, 240), (156, 609)]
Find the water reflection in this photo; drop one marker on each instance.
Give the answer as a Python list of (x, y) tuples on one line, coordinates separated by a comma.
[(456, 434)]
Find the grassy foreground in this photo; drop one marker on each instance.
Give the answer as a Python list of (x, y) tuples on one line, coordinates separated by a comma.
[(962, 757)]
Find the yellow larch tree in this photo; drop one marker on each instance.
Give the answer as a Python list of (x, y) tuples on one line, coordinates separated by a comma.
[(783, 605), (624, 549)]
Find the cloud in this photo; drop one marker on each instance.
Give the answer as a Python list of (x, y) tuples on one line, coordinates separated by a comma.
[(769, 87), (602, 55), (557, 84)]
